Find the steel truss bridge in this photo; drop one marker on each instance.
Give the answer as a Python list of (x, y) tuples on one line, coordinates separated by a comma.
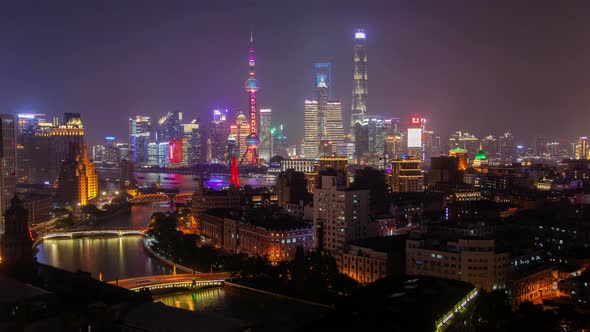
[(181, 198)]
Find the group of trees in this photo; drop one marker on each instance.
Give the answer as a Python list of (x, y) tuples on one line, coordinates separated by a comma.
[(311, 275)]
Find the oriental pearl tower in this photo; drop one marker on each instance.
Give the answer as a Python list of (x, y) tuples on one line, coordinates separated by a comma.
[(251, 85)]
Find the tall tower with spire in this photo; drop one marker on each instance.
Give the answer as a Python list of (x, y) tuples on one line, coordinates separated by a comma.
[(360, 81), (252, 86)]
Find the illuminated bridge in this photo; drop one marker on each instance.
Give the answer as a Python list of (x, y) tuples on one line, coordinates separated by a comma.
[(170, 281), (74, 233), (181, 198)]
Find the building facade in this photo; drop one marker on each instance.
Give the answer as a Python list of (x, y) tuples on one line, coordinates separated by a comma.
[(476, 261), (340, 215), (7, 162)]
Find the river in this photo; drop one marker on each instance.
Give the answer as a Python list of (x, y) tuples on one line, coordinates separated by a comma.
[(186, 182), (125, 257)]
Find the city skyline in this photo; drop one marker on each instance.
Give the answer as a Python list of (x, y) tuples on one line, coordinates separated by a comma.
[(468, 74)]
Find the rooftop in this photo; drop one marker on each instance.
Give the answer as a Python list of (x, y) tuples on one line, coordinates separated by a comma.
[(400, 303)]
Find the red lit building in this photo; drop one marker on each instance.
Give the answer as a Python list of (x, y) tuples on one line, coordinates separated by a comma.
[(175, 151)]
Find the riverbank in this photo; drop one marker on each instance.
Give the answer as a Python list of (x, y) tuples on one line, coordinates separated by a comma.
[(164, 260)]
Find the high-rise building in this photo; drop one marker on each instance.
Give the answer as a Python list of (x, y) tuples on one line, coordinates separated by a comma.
[(140, 135), (192, 133), (322, 99), (16, 244), (393, 148), (311, 145), (71, 131), (264, 149), (169, 126), (280, 142), (241, 132), (7, 162), (582, 148), (392, 126), (376, 133), (323, 73), (340, 215), (414, 138), (507, 147), (33, 148), (253, 140), (406, 175), (334, 127), (78, 182), (218, 135), (360, 85)]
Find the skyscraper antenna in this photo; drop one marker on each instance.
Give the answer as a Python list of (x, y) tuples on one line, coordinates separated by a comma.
[(251, 37)]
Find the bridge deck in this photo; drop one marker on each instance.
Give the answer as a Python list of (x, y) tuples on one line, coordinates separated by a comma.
[(171, 280)]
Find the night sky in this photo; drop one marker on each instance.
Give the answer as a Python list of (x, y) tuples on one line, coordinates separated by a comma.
[(481, 66)]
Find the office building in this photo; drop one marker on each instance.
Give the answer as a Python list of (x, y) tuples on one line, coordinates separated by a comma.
[(334, 126), (360, 79), (217, 137), (311, 145), (582, 149), (323, 73), (414, 138), (376, 134), (265, 148), (280, 144), (406, 175), (340, 215), (169, 126), (192, 134), (507, 146), (140, 135), (477, 261), (69, 133), (7, 162), (78, 182)]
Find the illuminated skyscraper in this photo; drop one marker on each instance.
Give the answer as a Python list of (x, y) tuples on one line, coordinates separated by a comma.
[(253, 140), (507, 146), (242, 134), (376, 131), (192, 133), (265, 135), (218, 135), (321, 92), (311, 142), (78, 182), (71, 131), (323, 72), (360, 85), (334, 127), (140, 134), (582, 148), (169, 126), (414, 138), (7, 163), (280, 142)]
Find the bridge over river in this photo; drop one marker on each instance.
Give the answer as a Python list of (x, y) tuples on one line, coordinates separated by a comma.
[(187, 281)]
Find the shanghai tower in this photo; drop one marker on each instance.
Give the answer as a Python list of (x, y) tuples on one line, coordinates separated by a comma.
[(359, 89)]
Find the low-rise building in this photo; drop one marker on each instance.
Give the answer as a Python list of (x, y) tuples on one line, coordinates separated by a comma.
[(362, 264), (532, 284), (477, 261), (262, 231)]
